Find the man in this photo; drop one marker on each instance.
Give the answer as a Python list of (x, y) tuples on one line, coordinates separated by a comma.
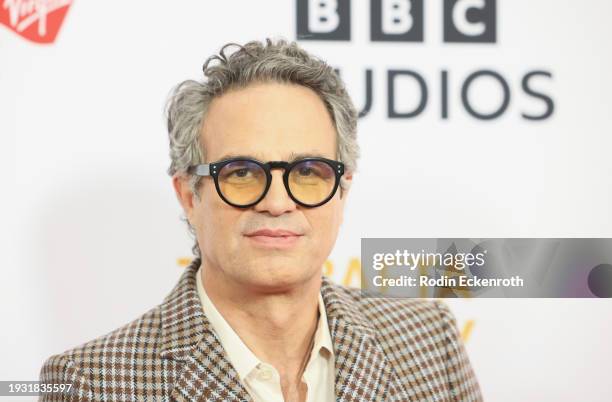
[(263, 153)]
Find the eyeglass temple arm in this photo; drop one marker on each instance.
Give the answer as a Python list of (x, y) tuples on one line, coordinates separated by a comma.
[(201, 170)]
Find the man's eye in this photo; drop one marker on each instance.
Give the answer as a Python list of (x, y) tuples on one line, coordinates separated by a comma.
[(241, 172), (305, 171)]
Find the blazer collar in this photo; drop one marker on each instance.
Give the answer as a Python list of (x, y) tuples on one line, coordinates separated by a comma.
[(363, 372), (184, 322)]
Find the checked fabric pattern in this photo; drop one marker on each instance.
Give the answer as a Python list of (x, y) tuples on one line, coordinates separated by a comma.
[(385, 350)]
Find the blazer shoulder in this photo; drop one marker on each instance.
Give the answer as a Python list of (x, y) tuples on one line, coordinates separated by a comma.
[(385, 311), (59, 369), (408, 327), (127, 344), (143, 332)]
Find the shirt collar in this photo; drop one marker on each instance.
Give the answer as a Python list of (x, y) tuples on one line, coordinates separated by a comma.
[(242, 358), (322, 336)]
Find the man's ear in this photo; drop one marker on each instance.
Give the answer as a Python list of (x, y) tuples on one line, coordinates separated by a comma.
[(183, 192), (345, 184)]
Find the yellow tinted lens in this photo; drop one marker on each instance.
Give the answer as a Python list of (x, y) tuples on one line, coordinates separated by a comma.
[(242, 182), (311, 181)]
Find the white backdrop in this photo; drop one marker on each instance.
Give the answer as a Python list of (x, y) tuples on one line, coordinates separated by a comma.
[(91, 232)]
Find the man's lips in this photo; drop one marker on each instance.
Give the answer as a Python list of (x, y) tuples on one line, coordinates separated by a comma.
[(274, 238), (272, 233)]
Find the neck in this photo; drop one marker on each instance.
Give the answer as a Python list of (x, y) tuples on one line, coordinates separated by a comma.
[(276, 326)]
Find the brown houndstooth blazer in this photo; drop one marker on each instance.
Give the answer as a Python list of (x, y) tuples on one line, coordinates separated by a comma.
[(385, 350)]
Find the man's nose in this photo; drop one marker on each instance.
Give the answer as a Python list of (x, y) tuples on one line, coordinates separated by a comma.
[(277, 200)]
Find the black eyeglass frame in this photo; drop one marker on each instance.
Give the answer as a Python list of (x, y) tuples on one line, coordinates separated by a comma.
[(213, 169)]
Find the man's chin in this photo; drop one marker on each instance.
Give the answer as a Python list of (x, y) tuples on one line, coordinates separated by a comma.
[(278, 278)]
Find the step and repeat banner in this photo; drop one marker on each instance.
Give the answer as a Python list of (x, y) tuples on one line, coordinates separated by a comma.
[(487, 119)]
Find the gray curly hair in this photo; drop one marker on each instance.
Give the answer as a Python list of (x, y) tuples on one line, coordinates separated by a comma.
[(255, 62)]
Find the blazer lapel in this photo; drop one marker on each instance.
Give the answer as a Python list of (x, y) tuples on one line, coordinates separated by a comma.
[(363, 372), (204, 370), (363, 369), (209, 376)]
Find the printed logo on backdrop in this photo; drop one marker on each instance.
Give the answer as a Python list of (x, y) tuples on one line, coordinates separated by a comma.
[(466, 22), (470, 21), (36, 20), (397, 20)]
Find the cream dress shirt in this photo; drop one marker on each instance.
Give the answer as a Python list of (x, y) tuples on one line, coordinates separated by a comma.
[(261, 379)]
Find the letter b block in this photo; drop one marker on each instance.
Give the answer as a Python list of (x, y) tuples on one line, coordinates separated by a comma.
[(323, 20), (396, 20)]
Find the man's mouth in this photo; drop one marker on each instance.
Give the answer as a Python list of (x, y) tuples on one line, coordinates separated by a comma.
[(274, 238)]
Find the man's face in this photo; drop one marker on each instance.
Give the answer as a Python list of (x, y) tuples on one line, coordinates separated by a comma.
[(267, 122)]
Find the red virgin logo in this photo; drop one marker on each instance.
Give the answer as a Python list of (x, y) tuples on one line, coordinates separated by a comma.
[(35, 20)]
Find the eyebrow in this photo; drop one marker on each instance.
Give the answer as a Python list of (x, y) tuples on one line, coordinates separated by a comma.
[(292, 156)]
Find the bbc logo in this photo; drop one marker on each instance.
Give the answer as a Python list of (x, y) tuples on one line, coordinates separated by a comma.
[(465, 21)]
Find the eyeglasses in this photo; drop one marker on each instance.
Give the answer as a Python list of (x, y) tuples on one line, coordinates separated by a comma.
[(243, 182)]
